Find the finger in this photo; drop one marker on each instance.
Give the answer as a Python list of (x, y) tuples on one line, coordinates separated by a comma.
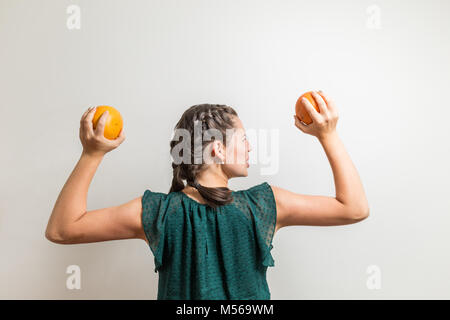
[(121, 137), (122, 134), (329, 101), (88, 121), (315, 116), (86, 124), (85, 113), (322, 105), (101, 123), (299, 124)]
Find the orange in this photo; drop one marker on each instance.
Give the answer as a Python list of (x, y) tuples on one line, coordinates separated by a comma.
[(114, 122), (300, 109)]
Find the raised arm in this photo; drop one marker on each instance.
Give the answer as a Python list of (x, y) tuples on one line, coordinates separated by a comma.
[(350, 204), (70, 222)]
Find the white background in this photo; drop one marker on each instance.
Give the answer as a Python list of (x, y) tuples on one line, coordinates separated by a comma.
[(154, 59)]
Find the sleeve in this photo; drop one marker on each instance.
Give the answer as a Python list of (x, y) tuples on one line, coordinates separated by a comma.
[(153, 209), (263, 208)]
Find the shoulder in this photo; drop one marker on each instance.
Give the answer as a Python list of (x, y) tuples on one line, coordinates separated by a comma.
[(259, 197), (263, 186), (150, 194), (156, 203), (260, 191)]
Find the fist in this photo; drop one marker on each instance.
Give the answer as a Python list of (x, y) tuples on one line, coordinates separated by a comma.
[(323, 123), (94, 142)]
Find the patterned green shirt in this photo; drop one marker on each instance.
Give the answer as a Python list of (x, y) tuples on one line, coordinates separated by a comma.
[(215, 254)]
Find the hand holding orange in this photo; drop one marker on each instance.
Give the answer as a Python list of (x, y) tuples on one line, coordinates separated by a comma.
[(321, 108), (113, 124), (101, 130), (300, 109)]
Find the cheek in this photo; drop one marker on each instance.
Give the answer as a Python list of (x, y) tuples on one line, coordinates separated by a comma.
[(243, 152), (239, 154)]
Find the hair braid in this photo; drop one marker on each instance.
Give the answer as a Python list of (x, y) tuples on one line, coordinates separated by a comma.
[(211, 116)]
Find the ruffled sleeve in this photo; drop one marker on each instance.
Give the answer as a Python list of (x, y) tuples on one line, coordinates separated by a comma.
[(262, 205), (153, 218)]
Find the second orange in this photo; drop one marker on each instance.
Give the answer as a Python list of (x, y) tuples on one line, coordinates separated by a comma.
[(300, 109), (114, 122)]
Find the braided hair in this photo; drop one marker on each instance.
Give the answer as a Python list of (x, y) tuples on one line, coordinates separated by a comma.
[(212, 116)]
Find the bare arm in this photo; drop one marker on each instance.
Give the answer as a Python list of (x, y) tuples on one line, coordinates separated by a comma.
[(69, 221), (349, 188), (350, 204), (71, 202)]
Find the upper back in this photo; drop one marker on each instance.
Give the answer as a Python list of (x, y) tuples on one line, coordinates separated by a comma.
[(214, 253)]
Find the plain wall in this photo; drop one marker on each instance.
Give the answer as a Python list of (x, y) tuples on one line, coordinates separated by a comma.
[(154, 59)]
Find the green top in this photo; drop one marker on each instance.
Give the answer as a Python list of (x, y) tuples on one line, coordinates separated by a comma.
[(203, 253)]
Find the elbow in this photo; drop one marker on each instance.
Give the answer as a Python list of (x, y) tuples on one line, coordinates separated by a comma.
[(361, 214), (57, 236), (53, 237)]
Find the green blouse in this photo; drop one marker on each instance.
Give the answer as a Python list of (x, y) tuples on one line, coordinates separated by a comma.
[(206, 253)]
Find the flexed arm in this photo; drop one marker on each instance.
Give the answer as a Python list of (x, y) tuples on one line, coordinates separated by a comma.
[(350, 204), (69, 221)]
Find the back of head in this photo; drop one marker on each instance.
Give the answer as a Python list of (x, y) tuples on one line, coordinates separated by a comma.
[(194, 122)]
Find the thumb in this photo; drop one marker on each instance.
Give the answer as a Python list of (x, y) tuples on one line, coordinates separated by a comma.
[(121, 136), (299, 124), (101, 123)]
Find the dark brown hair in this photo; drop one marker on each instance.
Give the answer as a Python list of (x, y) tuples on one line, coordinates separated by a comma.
[(211, 116)]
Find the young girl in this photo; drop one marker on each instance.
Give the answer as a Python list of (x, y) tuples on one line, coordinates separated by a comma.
[(208, 241)]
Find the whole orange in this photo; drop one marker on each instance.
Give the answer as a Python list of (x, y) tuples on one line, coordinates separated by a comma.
[(300, 109), (114, 122)]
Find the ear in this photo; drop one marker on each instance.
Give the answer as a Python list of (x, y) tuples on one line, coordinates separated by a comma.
[(218, 149)]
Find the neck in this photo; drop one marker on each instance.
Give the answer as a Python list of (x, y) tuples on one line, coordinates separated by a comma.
[(213, 178)]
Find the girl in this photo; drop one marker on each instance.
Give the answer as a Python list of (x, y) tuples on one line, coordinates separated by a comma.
[(208, 241)]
